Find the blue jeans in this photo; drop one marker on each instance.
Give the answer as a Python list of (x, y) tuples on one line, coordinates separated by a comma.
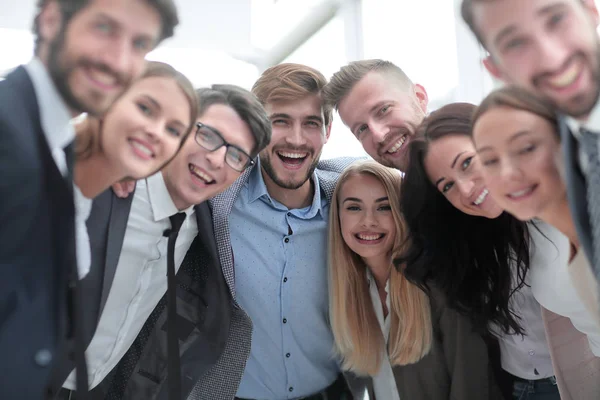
[(542, 389)]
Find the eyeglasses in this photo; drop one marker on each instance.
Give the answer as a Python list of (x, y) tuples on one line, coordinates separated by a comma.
[(210, 139)]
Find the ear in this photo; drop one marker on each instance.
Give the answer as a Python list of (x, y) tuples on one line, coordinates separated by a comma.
[(422, 97), (49, 21), (491, 67), (328, 130)]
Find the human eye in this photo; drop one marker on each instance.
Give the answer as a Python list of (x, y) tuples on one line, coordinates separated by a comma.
[(141, 44), (528, 149), (466, 163), (383, 110), (173, 131), (145, 109), (353, 207), (490, 162), (385, 207), (447, 187), (360, 130)]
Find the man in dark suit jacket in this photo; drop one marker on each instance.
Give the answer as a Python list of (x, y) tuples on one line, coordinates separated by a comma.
[(77, 68), (128, 354), (527, 50)]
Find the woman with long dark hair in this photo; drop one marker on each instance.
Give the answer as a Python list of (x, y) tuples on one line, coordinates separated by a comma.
[(463, 243)]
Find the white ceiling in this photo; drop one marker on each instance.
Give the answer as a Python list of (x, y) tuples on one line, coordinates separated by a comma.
[(222, 25)]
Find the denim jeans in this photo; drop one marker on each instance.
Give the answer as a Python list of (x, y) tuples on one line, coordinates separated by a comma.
[(543, 389)]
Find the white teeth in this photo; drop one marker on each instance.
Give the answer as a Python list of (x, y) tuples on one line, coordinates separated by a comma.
[(398, 145), (198, 172), (142, 148), (102, 77), (521, 193), (369, 237), (567, 77), (481, 197), (292, 155)]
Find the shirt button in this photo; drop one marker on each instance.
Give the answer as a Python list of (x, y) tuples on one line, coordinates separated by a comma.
[(291, 389), (284, 280), (285, 320), (289, 214), (531, 352), (43, 357), (287, 240), (288, 355)]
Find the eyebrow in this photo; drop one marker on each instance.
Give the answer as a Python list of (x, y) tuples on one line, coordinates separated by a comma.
[(280, 115), (153, 101), (510, 140), (511, 28), (456, 159), (315, 118), (379, 200), (439, 181)]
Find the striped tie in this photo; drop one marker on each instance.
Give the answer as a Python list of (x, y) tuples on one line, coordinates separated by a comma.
[(589, 143)]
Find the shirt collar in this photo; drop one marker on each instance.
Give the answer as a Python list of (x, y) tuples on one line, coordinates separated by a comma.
[(160, 199), (592, 123), (54, 113), (257, 189)]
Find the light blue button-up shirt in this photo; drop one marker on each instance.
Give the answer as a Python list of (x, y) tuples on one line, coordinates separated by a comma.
[(280, 259)]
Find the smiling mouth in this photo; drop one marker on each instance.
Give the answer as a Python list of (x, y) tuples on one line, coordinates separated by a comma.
[(200, 174), (398, 145), (371, 237), (292, 158), (141, 149), (105, 80), (481, 198), (520, 194), (567, 77)]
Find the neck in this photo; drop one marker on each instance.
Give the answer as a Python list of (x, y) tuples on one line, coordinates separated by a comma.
[(291, 198), (94, 175), (380, 267), (177, 200), (559, 216)]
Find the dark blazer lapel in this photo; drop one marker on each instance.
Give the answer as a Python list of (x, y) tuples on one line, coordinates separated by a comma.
[(206, 232), (576, 189), (119, 215)]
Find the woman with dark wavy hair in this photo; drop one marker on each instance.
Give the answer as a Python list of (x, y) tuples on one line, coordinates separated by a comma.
[(463, 243)]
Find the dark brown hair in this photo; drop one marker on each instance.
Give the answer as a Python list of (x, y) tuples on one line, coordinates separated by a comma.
[(290, 82), (69, 8), (471, 259), (245, 104)]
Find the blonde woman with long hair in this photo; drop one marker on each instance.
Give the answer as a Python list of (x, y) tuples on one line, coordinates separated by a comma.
[(406, 344)]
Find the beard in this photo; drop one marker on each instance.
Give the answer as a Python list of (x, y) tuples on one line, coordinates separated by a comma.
[(61, 67), (267, 166)]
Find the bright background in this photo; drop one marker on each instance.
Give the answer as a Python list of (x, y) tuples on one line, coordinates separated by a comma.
[(233, 41)]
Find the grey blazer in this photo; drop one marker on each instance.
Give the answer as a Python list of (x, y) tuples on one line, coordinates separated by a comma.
[(576, 191), (457, 367), (203, 305), (226, 375)]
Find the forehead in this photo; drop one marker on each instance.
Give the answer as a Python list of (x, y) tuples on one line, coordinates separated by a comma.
[(502, 123), (310, 105), (229, 124), (166, 92), (442, 153), (138, 16), (494, 17), (372, 89), (356, 185)]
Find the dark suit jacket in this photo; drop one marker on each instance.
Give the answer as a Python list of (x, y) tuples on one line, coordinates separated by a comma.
[(37, 250), (576, 190), (457, 367), (203, 305)]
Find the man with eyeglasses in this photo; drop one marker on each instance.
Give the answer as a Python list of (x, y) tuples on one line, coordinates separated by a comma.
[(128, 357)]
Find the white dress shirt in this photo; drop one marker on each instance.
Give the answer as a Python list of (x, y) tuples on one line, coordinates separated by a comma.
[(141, 277), (552, 285), (592, 124), (384, 383), (528, 356), (57, 125)]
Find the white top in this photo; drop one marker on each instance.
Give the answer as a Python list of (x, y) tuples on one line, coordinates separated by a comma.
[(141, 277), (528, 356), (552, 285), (83, 207), (384, 383)]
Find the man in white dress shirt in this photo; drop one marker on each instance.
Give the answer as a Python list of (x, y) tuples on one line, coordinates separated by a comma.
[(86, 53), (128, 354)]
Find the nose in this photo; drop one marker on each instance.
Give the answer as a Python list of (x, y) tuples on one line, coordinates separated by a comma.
[(368, 220), (465, 187), (551, 52), (379, 131), (118, 56), (217, 158), (510, 171), (296, 136)]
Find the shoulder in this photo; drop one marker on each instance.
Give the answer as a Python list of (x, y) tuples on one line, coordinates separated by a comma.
[(336, 165)]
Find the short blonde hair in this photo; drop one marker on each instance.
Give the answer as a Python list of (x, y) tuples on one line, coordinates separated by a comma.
[(358, 337), (290, 82)]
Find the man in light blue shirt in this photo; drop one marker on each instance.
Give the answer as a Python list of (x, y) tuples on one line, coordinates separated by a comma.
[(271, 228)]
